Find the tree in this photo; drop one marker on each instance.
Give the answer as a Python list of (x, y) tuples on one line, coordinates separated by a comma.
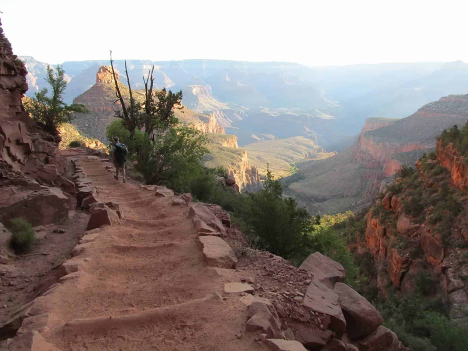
[(157, 110), (279, 224), (52, 111)]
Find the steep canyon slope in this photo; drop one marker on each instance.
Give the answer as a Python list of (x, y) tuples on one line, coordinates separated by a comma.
[(417, 231), (351, 179)]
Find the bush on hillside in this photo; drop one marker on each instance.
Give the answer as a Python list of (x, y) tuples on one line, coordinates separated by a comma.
[(76, 143), (23, 235)]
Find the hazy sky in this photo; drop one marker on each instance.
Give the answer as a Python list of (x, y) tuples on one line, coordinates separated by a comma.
[(326, 32)]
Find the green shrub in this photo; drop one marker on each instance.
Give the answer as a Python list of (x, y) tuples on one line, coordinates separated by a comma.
[(23, 235), (172, 158), (76, 143), (406, 171)]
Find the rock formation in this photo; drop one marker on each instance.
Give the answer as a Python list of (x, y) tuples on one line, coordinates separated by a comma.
[(429, 241), (31, 168)]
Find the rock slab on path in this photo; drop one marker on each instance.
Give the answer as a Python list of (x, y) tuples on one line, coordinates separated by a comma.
[(361, 317), (324, 269), (217, 252), (285, 345)]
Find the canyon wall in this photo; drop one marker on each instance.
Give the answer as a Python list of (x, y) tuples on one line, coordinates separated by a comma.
[(410, 246), (32, 183)]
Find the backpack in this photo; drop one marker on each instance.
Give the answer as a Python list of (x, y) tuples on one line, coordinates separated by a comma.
[(120, 153)]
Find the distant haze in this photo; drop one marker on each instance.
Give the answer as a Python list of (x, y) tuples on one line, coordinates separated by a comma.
[(313, 33)]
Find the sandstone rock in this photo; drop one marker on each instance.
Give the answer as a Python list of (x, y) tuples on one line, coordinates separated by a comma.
[(116, 207), (83, 192), (395, 204), (31, 341), (65, 184), (432, 247), (100, 217), (285, 345), (178, 202), (222, 215), (205, 220), (361, 317), (48, 173), (324, 269), (187, 197), (41, 207), (260, 307), (238, 287), (397, 264), (320, 298), (11, 326), (313, 338), (217, 252), (162, 191), (87, 201), (382, 339), (265, 322), (386, 202), (405, 226), (458, 303)]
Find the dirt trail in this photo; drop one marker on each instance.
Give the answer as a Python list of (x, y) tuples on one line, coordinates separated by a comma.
[(143, 285)]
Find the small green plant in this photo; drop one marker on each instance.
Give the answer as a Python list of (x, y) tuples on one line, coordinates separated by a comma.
[(23, 235), (76, 143)]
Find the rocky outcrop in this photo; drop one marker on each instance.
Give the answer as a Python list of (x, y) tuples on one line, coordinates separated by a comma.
[(31, 180), (407, 249), (454, 162)]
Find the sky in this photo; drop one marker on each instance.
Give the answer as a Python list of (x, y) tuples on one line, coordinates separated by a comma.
[(313, 33)]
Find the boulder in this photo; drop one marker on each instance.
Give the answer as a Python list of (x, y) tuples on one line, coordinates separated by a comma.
[(313, 338), (222, 215), (83, 192), (31, 341), (66, 185), (178, 202), (41, 207), (266, 323), (87, 201), (324, 269), (206, 222), (260, 306), (162, 191), (284, 345), (382, 339), (320, 298), (361, 317), (116, 207), (101, 216), (47, 173), (217, 252)]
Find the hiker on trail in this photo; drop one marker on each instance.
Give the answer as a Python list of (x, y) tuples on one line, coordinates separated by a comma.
[(119, 157)]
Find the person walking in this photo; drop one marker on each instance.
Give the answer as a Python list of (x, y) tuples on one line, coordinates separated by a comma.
[(119, 157)]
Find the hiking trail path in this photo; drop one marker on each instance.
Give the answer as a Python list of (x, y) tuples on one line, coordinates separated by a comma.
[(142, 284)]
